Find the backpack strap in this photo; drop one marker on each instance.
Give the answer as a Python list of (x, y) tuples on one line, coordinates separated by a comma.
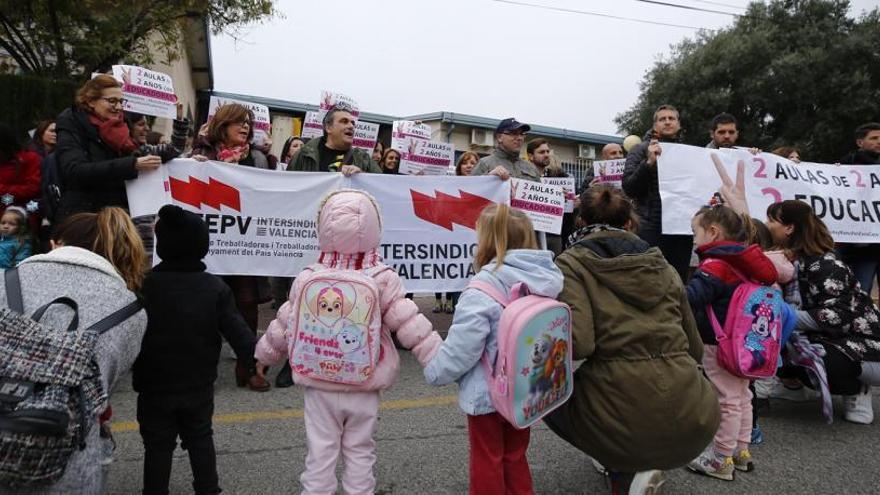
[(710, 312), (500, 298), (13, 290), (116, 317)]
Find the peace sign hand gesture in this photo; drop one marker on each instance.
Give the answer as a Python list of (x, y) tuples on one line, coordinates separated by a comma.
[(734, 195)]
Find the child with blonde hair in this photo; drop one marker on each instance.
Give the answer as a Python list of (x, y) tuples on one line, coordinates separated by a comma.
[(506, 254)]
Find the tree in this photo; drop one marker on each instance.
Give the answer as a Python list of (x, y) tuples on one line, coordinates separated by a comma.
[(64, 39), (794, 72)]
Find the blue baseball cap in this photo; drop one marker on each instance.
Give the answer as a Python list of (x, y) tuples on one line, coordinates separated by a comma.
[(511, 125)]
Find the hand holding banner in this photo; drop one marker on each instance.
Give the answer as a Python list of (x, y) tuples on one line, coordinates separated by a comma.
[(427, 158), (543, 203), (146, 91)]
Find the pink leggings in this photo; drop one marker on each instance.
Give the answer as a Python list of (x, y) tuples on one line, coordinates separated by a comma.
[(340, 422), (735, 431)]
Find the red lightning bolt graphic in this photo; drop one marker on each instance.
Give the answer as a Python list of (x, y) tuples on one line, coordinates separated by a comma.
[(445, 210), (212, 193)]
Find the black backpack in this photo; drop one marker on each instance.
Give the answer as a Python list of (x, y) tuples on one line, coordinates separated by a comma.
[(50, 387)]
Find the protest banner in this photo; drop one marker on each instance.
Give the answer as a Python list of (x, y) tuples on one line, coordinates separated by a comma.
[(429, 224), (365, 136), (262, 126), (263, 222), (609, 172), (313, 127), (543, 203), (255, 226), (845, 197), (405, 132), (568, 188), (146, 91), (427, 158), (330, 99)]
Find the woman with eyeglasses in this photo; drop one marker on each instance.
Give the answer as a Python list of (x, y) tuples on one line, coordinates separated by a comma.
[(228, 138), (95, 152)]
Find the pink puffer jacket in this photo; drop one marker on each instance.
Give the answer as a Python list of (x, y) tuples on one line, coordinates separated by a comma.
[(349, 231)]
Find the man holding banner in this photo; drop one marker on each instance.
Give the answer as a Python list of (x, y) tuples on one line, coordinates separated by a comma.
[(641, 184), (334, 152), (505, 162)]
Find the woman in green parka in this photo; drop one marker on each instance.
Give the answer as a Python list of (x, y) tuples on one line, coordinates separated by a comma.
[(640, 401)]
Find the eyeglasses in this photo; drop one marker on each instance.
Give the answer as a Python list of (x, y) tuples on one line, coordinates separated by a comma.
[(244, 122), (114, 101), (515, 134)]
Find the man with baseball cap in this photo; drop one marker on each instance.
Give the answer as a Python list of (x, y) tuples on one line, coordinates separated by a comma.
[(505, 161)]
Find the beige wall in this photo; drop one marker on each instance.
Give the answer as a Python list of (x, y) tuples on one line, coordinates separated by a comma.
[(181, 73)]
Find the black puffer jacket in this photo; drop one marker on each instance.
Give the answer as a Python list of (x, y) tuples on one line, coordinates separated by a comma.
[(641, 185), (188, 310), (92, 174)]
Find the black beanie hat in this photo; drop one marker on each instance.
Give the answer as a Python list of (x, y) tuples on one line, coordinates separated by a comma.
[(181, 235)]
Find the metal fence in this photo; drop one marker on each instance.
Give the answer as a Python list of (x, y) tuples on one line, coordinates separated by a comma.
[(578, 169)]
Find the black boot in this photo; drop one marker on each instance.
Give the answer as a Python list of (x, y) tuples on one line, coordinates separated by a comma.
[(285, 377)]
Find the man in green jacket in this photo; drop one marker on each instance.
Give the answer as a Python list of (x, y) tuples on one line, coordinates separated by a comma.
[(505, 162), (333, 152)]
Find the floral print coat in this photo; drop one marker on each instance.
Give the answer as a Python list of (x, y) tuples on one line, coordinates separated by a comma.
[(847, 317)]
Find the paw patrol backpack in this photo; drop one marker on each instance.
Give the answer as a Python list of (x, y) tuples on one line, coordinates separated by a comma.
[(335, 325), (532, 374)]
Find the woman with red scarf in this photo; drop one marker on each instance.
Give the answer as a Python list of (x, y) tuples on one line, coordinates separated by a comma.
[(95, 152), (228, 138)]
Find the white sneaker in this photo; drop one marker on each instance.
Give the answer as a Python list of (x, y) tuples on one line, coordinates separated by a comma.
[(764, 387), (647, 483), (803, 394), (859, 408)]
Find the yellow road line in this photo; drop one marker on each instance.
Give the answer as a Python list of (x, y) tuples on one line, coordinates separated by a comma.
[(252, 417)]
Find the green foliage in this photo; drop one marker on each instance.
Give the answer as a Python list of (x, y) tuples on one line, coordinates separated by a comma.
[(61, 37), (26, 100), (793, 72)]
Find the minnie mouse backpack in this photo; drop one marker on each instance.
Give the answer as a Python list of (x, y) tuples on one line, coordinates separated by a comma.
[(532, 374), (750, 340)]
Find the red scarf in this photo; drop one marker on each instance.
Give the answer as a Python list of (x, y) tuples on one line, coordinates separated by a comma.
[(233, 154), (115, 134)]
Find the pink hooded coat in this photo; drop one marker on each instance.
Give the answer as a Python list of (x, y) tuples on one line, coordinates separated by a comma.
[(349, 231)]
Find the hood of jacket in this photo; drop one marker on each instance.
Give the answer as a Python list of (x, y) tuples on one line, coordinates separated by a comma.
[(72, 255), (75, 120), (635, 272), (533, 267), (349, 223), (748, 260)]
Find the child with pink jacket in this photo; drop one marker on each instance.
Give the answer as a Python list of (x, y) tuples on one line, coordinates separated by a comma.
[(342, 417)]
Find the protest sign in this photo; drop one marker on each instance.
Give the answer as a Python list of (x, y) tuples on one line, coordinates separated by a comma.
[(609, 172), (543, 203), (263, 222), (312, 126), (262, 127), (365, 135), (330, 99), (568, 188), (146, 91), (405, 132), (845, 197), (427, 158)]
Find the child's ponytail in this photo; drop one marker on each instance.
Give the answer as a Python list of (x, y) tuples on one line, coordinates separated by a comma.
[(499, 226)]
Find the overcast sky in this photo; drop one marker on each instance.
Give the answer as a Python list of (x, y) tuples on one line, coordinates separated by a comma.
[(480, 57)]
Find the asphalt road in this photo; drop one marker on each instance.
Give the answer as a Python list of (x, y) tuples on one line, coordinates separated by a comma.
[(422, 445)]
